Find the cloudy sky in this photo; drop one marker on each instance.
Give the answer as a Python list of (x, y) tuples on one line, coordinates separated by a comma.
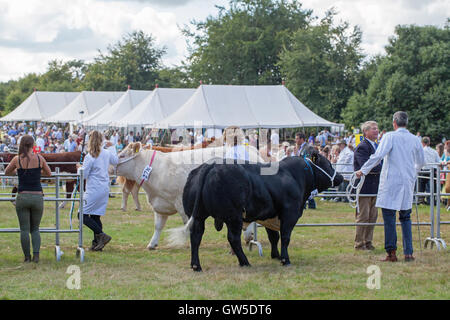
[(32, 32)]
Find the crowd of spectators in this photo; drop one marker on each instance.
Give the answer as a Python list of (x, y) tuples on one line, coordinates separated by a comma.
[(51, 138)]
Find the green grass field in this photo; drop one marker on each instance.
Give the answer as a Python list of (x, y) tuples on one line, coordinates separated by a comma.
[(324, 263)]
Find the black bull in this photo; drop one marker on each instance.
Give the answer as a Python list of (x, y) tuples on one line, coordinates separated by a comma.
[(233, 193), (54, 157)]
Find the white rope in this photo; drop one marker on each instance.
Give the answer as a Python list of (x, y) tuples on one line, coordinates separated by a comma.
[(354, 203), (324, 172)]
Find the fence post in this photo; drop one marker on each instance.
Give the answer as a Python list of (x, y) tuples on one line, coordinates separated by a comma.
[(80, 250), (438, 208), (58, 252)]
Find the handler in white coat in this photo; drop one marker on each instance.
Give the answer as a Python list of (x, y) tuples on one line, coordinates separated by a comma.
[(403, 157), (95, 165)]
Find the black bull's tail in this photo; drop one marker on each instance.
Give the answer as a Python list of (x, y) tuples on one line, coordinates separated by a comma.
[(179, 236)]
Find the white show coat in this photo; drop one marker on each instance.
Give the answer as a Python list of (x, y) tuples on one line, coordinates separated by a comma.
[(403, 158), (97, 180)]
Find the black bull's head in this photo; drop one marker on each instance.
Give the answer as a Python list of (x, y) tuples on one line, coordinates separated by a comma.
[(326, 175)]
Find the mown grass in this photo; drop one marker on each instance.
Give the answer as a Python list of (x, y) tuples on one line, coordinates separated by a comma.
[(324, 263)]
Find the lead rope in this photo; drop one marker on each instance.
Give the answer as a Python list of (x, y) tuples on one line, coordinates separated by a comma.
[(354, 203)]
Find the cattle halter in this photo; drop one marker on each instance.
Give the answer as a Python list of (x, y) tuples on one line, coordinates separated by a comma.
[(330, 177), (126, 160)]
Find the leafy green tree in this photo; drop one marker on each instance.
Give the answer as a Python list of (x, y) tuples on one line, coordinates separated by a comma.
[(14, 92), (413, 77), (242, 44), (133, 61), (175, 77), (62, 76), (357, 110), (321, 65)]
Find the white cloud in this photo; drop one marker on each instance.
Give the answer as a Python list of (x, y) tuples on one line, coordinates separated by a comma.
[(15, 63), (378, 18), (32, 32), (41, 26)]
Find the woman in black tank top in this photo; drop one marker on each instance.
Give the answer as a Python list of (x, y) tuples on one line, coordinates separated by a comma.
[(30, 200)]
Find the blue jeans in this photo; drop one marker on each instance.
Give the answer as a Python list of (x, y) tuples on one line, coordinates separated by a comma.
[(390, 232)]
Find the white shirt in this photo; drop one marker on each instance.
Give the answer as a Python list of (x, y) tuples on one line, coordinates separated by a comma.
[(199, 139), (372, 143), (431, 156), (114, 139), (40, 143), (403, 157), (275, 138), (129, 138), (238, 152), (97, 180), (345, 162)]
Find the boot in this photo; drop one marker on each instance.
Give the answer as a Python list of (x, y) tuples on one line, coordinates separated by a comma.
[(409, 257), (35, 257), (95, 242), (391, 256), (102, 241), (27, 259)]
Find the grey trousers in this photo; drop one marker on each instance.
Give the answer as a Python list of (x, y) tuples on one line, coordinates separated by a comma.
[(29, 208)]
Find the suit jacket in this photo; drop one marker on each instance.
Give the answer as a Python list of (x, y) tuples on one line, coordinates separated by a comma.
[(361, 155)]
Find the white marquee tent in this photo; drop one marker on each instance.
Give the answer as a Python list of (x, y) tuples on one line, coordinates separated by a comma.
[(161, 103), (87, 102), (40, 105), (90, 120), (123, 106), (220, 106)]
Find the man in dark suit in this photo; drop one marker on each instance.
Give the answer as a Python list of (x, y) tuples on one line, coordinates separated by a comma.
[(368, 213)]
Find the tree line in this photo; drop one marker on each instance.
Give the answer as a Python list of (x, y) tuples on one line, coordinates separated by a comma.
[(270, 42)]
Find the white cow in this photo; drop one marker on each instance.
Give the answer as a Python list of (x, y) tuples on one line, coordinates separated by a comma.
[(164, 188)]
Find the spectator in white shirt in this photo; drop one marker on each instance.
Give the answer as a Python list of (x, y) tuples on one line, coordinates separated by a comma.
[(344, 164), (114, 138), (40, 143), (274, 138), (419, 136), (129, 138), (431, 156), (59, 134), (198, 137)]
